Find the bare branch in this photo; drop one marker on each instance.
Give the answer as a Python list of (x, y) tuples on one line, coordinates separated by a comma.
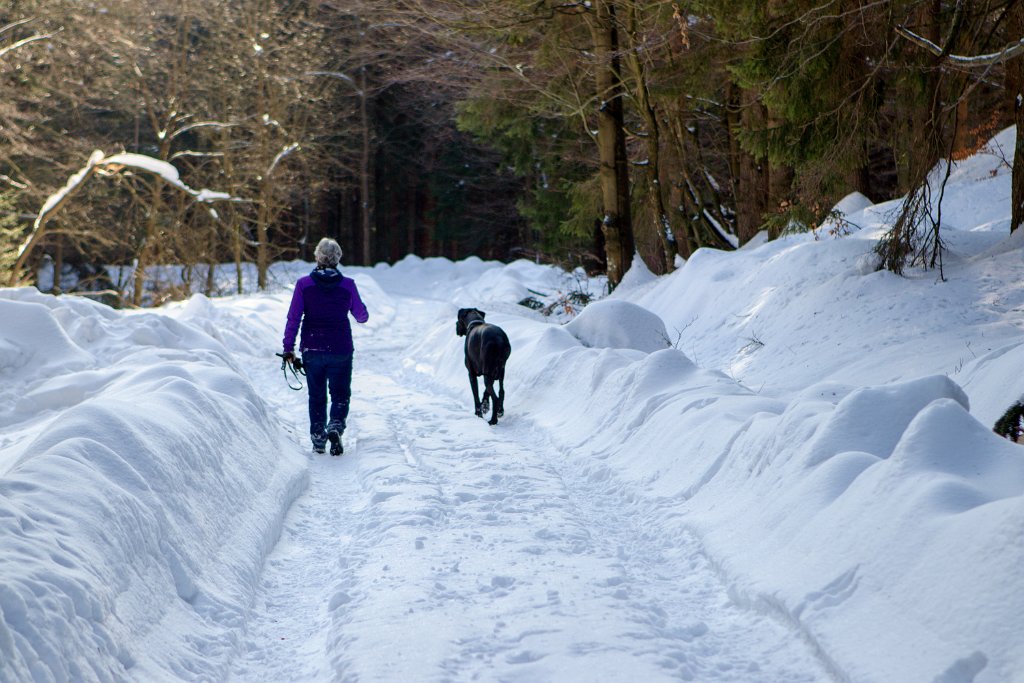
[(1007, 53), (281, 155), (22, 43), (202, 124), (15, 24), (191, 153)]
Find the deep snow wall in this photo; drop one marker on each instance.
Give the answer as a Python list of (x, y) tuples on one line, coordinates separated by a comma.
[(142, 482)]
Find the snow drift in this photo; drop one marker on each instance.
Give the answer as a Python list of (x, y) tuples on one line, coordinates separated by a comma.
[(138, 468), (619, 325)]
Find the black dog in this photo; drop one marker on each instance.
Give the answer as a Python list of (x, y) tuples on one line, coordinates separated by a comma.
[(487, 350)]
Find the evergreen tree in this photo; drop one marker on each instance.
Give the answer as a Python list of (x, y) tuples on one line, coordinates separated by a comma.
[(809, 92)]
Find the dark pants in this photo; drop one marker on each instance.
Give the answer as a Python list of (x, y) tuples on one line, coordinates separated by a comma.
[(327, 371)]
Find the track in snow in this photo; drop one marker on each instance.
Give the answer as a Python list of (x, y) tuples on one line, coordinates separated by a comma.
[(441, 549)]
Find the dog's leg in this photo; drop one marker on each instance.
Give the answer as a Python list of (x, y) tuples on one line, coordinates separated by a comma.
[(476, 395), (489, 391), (499, 404)]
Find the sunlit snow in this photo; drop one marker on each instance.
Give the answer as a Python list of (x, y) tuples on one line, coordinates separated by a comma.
[(797, 482)]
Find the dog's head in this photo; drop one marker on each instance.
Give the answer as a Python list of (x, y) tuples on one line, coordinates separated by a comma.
[(467, 316)]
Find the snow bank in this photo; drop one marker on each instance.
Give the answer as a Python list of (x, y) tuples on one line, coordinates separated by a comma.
[(852, 203), (877, 511), (430, 277), (616, 324), (42, 347), (143, 482)]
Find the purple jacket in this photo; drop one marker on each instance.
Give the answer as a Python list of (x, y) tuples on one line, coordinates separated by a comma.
[(321, 302)]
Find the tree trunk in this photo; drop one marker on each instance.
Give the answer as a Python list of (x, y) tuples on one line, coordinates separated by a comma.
[(750, 174), (58, 265), (780, 182), (146, 248), (365, 172), (1015, 91), (611, 139), (410, 228), (925, 149), (264, 150), (666, 236), (262, 237)]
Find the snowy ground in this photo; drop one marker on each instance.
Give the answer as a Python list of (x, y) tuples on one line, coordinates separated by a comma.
[(772, 465), (441, 549)]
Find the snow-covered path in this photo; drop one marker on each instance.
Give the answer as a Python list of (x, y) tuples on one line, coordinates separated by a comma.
[(441, 549), (806, 487)]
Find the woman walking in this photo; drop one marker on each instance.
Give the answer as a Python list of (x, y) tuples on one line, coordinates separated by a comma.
[(321, 303)]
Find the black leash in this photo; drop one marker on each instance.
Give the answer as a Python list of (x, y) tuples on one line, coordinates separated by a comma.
[(295, 365)]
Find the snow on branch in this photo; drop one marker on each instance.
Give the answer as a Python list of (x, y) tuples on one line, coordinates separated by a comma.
[(116, 163), (1007, 53), (21, 43), (61, 196), (12, 182), (201, 124), (192, 153), (332, 74), (339, 75), (280, 156), (98, 164), (15, 24)]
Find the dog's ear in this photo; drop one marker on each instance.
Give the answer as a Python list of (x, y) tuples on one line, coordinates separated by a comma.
[(482, 314), (460, 328)]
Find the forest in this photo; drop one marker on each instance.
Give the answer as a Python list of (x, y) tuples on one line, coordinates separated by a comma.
[(145, 133)]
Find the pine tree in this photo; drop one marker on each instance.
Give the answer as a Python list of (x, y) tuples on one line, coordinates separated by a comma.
[(808, 95)]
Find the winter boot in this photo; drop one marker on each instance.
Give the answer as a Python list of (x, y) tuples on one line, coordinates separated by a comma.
[(319, 442), (335, 439)]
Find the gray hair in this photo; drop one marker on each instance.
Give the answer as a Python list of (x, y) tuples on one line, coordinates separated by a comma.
[(328, 253)]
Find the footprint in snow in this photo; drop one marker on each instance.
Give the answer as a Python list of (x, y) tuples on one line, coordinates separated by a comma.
[(502, 581), (382, 496), (525, 657)]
